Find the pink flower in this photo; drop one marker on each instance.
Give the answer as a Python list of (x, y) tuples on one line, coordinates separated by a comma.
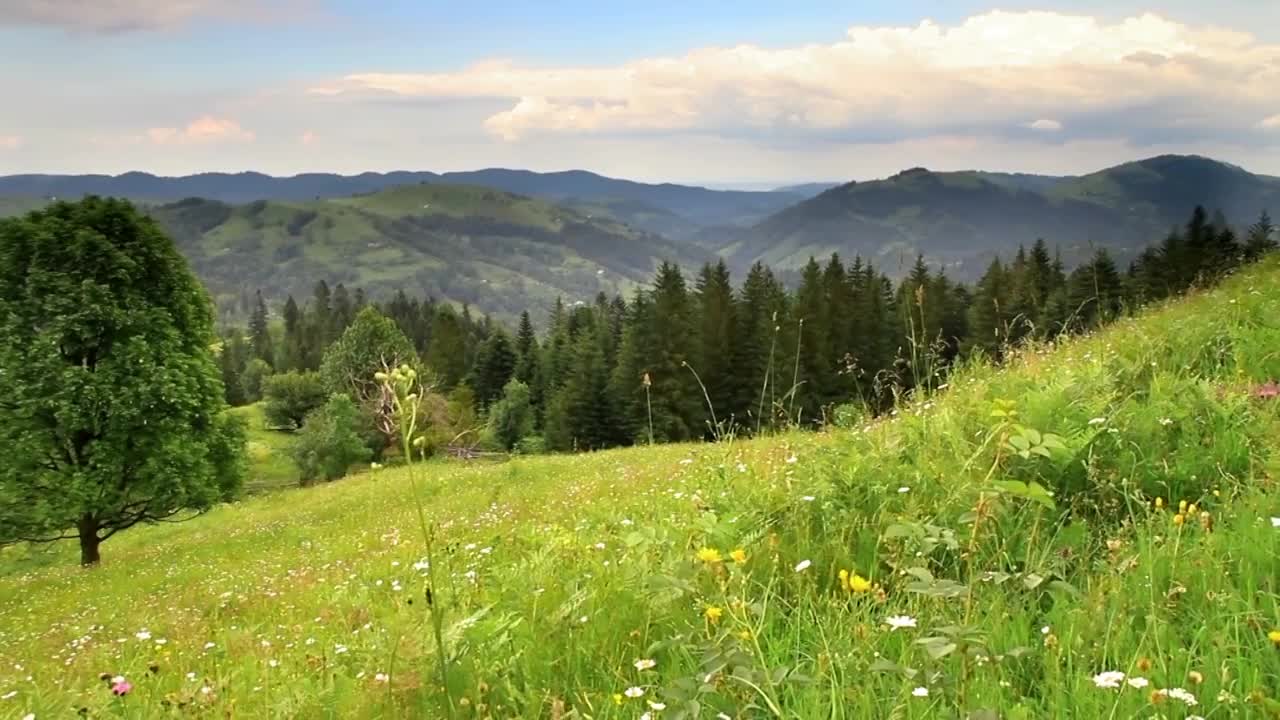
[(121, 687)]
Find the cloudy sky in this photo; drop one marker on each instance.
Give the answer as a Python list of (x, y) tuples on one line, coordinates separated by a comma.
[(748, 91)]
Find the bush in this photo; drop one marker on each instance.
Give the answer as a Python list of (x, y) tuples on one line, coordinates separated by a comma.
[(531, 445), (253, 378), (511, 418), (330, 441), (291, 396)]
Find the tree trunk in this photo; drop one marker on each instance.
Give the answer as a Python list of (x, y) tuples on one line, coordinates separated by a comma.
[(89, 541)]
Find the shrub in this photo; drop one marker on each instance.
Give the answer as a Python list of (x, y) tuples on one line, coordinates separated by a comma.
[(511, 418), (252, 379), (330, 441), (291, 396)]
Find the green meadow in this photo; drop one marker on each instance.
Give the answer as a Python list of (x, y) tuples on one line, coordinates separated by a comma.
[(1090, 531)]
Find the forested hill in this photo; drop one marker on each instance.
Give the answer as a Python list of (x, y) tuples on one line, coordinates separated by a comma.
[(677, 211), (499, 252), (961, 219)]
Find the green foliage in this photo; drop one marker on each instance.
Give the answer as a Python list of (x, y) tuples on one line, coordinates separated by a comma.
[(291, 396), (512, 418), (494, 367), (253, 379), (109, 391), (330, 441), (370, 345)]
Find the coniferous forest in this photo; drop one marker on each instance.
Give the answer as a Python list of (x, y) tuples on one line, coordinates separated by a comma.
[(704, 356)]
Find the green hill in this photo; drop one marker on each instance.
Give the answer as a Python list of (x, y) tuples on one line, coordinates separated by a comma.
[(1013, 547), (961, 218), (500, 252)]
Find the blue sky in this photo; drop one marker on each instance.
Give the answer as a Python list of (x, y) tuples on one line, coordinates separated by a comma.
[(714, 92)]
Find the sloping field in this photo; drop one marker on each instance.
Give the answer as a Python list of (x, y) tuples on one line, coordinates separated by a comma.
[(1012, 548)]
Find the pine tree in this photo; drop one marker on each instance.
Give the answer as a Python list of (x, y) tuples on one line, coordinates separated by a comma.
[(627, 381), (494, 368), (343, 311), (231, 363), (761, 309), (989, 315), (1262, 238), (259, 332), (1096, 291), (810, 371), (526, 352), (717, 317), (293, 342), (447, 354), (581, 415)]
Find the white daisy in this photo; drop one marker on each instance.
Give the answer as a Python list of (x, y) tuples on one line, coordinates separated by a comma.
[(920, 692), (1108, 679), (633, 692), (897, 622), (803, 565)]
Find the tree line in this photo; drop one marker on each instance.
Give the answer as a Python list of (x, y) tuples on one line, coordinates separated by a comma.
[(698, 357)]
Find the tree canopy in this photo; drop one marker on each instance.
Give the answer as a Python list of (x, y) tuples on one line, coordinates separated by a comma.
[(111, 402)]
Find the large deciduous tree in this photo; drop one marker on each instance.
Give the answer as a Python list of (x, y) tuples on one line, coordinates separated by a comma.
[(111, 404)]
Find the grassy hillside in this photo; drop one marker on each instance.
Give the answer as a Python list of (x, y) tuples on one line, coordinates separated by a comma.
[(269, 466), (500, 252), (909, 568), (960, 219)]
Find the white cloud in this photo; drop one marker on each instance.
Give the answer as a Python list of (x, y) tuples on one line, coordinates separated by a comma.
[(10, 142), (1125, 78), (206, 129), (110, 16), (1271, 123), (1046, 125)]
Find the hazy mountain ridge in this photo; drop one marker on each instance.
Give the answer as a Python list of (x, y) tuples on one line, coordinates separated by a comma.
[(500, 252), (959, 219)]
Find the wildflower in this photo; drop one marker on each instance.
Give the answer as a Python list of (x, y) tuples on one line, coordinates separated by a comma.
[(1179, 694), (1182, 506), (657, 705), (1195, 677), (9, 695), (1274, 637), (617, 698), (29, 716), (899, 621), (1108, 679), (1138, 682), (739, 555), (808, 498), (645, 664), (633, 692), (1097, 421), (1144, 664), (121, 687), (709, 556), (1275, 522), (920, 692), (713, 613), (803, 565), (1179, 519), (859, 584), (381, 677), (904, 489), (1191, 509), (143, 634)]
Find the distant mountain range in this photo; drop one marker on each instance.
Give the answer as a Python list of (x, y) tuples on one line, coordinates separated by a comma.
[(504, 240)]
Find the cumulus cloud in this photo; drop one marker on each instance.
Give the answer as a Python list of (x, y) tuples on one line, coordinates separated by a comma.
[(114, 16), (987, 74), (206, 129)]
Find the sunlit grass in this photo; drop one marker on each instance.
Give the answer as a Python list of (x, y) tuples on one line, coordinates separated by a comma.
[(890, 570)]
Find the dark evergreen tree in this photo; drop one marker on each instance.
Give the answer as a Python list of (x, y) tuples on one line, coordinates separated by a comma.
[(447, 354), (1262, 238), (717, 316), (259, 332), (494, 368), (292, 351)]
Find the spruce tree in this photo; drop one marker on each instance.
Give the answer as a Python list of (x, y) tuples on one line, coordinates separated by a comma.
[(1262, 238), (717, 318), (293, 342), (494, 368), (447, 353), (259, 332)]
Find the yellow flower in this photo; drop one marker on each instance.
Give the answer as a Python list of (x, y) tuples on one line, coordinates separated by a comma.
[(1178, 519), (1159, 502), (713, 613), (1274, 636), (744, 635), (859, 584), (617, 698), (1191, 509), (844, 580), (709, 556), (1182, 506), (739, 555)]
